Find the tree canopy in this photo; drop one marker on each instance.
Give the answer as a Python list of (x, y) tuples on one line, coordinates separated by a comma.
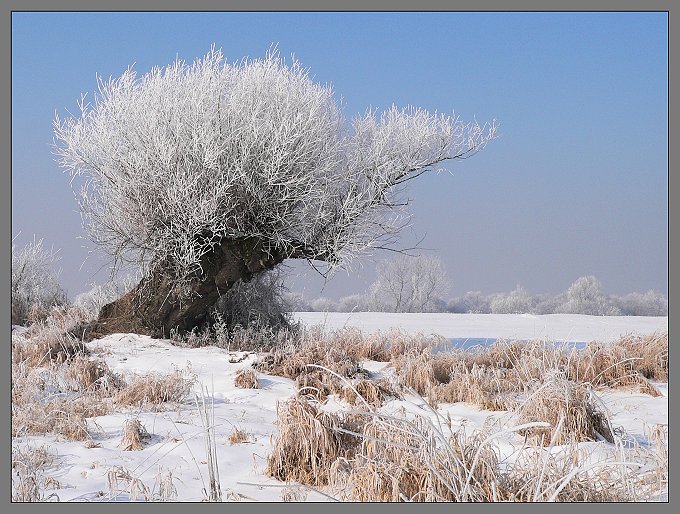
[(184, 157)]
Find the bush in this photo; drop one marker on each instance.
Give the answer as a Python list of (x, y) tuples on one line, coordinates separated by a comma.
[(323, 304), (515, 302), (472, 302), (650, 303), (35, 288)]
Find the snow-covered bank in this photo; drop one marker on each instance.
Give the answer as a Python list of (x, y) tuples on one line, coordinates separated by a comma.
[(84, 470), (552, 327)]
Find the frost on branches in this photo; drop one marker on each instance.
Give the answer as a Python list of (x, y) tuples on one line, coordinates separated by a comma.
[(208, 173)]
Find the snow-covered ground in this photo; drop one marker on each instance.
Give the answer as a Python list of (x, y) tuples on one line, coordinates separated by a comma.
[(177, 443), (550, 327)]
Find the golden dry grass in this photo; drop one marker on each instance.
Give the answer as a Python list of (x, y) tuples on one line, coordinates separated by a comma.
[(290, 362), (37, 410), (308, 442), (134, 435), (415, 371), (155, 389), (482, 386), (373, 392), (93, 375), (650, 352), (238, 436), (46, 346), (562, 402), (246, 379), (318, 384), (63, 417)]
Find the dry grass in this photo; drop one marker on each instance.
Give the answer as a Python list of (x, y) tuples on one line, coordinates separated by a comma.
[(93, 375), (421, 458), (63, 417), (39, 407), (308, 442), (134, 435), (424, 460), (246, 379), (658, 436), (416, 372), (45, 346), (318, 384), (29, 479), (482, 386), (560, 401), (650, 352), (155, 389), (563, 474), (292, 361), (239, 436), (373, 392), (120, 480), (293, 494), (342, 350)]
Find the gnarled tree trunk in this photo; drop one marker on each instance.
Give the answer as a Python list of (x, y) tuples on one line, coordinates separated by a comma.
[(154, 307)]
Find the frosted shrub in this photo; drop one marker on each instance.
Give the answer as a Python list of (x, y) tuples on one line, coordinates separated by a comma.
[(35, 288), (515, 302), (472, 302), (585, 297), (323, 304), (650, 303)]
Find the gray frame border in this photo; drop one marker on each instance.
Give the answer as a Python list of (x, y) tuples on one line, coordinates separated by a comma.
[(283, 5)]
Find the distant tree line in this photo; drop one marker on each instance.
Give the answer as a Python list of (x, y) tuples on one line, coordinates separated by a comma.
[(404, 284), (418, 284)]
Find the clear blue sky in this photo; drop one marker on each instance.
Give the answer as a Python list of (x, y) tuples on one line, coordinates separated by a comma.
[(575, 185)]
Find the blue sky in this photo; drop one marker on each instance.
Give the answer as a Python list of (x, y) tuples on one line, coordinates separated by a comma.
[(576, 184)]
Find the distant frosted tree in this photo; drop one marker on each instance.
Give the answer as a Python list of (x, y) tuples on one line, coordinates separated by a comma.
[(409, 284), (35, 286), (585, 296), (354, 303), (548, 304), (472, 302), (650, 303), (296, 302), (323, 304), (517, 301), (207, 174)]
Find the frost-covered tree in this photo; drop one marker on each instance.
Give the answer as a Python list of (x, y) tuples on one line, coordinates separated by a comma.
[(548, 304), (472, 302), (296, 302), (650, 303), (323, 304), (35, 285), (354, 303), (409, 284), (585, 296), (517, 301), (209, 173)]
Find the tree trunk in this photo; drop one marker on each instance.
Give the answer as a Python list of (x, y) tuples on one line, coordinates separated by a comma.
[(154, 308)]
